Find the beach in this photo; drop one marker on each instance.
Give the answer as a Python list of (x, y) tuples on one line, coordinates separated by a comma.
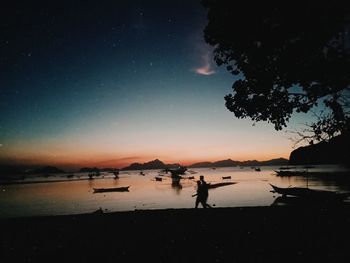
[(242, 234)]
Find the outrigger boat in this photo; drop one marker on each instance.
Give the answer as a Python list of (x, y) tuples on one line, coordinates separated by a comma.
[(310, 194), (115, 189)]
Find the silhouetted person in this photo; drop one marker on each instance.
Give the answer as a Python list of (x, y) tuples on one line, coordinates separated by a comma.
[(199, 195), (205, 193), (202, 193)]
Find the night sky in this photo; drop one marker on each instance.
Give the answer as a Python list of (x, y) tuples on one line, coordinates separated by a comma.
[(109, 84)]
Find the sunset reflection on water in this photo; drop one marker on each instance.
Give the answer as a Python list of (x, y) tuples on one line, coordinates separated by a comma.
[(74, 197)]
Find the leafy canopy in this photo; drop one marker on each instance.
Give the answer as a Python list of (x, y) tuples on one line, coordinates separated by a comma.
[(288, 57)]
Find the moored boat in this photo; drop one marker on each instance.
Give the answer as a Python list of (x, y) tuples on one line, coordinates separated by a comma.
[(211, 186), (287, 167), (114, 189), (290, 173), (309, 193), (176, 172)]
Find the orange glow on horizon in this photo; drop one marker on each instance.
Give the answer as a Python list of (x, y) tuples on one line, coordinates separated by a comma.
[(185, 147), (103, 161)]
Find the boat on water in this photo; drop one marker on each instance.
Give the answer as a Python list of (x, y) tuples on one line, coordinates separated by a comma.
[(286, 168), (257, 169), (114, 189), (216, 185), (290, 173), (158, 178), (226, 177), (116, 175), (309, 194), (176, 172)]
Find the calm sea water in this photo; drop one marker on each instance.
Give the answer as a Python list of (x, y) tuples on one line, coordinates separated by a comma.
[(75, 196)]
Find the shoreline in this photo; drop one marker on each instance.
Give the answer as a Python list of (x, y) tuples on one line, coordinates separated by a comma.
[(182, 235)]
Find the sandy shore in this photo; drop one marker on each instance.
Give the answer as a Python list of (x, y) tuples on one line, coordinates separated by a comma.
[(256, 234)]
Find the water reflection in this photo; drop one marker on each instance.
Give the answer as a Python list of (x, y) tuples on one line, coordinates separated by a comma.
[(176, 185), (75, 195)]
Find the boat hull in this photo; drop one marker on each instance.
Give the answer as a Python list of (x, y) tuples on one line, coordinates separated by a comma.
[(212, 186), (117, 189), (309, 193)]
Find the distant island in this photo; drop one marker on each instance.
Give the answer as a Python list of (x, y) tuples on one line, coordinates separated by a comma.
[(157, 164), (335, 151), (230, 163)]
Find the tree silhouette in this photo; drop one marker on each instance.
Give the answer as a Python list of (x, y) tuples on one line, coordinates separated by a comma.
[(288, 57)]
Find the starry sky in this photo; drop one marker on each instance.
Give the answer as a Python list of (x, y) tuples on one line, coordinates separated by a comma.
[(86, 83)]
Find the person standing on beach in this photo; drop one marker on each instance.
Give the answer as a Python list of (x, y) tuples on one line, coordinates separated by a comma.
[(205, 193), (199, 195), (202, 193)]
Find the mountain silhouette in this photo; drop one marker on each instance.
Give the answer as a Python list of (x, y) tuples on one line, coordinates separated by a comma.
[(155, 164), (232, 163)]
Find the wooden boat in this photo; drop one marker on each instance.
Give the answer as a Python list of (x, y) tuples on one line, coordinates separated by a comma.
[(290, 173), (188, 177), (309, 193), (286, 168), (158, 178), (176, 172), (116, 175), (176, 178), (257, 169), (115, 189), (226, 177), (212, 186)]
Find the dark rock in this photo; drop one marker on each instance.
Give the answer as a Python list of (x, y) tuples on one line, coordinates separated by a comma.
[(335, 151)]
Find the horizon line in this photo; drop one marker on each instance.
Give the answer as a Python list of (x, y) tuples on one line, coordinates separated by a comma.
[(125, 166)]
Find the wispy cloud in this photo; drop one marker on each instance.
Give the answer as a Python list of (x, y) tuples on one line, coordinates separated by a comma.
[(206, 61)]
